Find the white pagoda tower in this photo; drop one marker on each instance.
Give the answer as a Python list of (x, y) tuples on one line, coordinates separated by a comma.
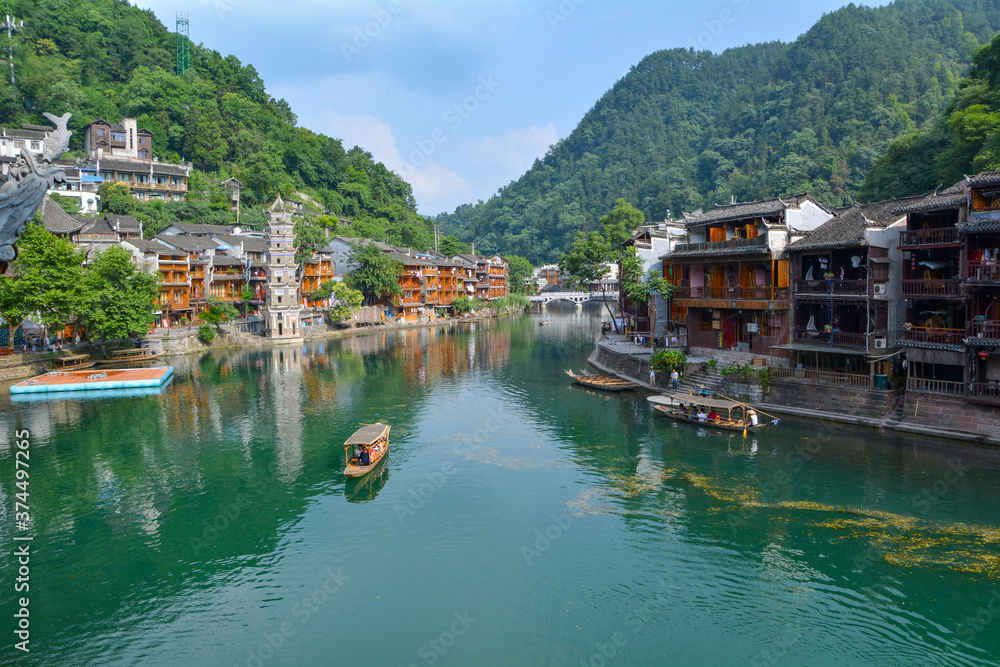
[(281, 306)]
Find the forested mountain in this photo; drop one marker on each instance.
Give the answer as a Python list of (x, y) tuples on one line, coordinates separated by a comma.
[(684, 130), (107, 59), (965, 139)]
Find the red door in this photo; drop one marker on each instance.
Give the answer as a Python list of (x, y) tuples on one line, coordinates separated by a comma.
[(729, 332)]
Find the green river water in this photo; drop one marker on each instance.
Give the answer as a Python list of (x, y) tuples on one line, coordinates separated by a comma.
[(519, 520)]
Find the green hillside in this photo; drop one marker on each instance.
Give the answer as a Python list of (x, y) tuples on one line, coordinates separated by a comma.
[(684, 130), (106, 59)]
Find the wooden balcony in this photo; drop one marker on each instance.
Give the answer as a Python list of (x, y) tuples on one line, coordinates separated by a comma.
[(982, 272), (934, 336), (832, 287), (985, 329), (945, 236), (985, 392), (934, 289), (821, 377), (854, 341), (760, 243), (755, 298)]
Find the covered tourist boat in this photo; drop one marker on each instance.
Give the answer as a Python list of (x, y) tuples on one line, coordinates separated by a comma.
[(602, 382), (366, 449), (731, 415)]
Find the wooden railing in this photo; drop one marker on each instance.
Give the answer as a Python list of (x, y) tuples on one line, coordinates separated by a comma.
[(985, 392), (938, 336), (857, 341), (821, 377), (931, 288), (733, 293), (942, 236), (982, 271), (940, 387), (832, 287), (759, 242), (989, 329)]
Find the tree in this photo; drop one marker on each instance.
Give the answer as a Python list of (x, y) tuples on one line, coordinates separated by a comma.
[(450, 246), (218, 312), (377, 274), (587, 262), (116, 198), (655, 283), (520, 270), (46, 283), (118, 298), (346, 300)]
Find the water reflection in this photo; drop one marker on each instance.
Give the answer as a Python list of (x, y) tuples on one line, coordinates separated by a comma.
[(367, 488)]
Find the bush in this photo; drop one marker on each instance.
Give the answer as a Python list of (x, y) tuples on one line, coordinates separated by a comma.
[(185, 321), (747, 374), (712, 364), (206, 334), (668, 360)]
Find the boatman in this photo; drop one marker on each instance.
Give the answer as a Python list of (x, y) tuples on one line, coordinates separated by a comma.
[(753, 416)]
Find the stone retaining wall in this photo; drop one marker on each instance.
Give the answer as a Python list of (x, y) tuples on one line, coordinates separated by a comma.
[(729, 357), (863, 402), (24, 369), (951, 413)]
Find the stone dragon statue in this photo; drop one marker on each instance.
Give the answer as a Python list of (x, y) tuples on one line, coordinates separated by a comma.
[(23, 193)]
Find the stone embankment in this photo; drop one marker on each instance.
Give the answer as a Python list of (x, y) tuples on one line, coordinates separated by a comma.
[(916, 413)]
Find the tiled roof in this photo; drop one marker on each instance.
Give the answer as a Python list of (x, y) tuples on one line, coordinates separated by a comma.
[(250, 243), (57, 220), (848, 228), (754, 209), (226, 260), (126, 223), (202, 230), (953, 197), (982, 227), (985, 178), (141, 166), (188, 243), (151, 246), (724, 252), (97, 226)]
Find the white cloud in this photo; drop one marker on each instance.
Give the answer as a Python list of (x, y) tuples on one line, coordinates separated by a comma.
[(515, 150), (435, 188)]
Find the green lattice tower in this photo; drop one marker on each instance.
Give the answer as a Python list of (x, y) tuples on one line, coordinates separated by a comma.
[(183, 44)]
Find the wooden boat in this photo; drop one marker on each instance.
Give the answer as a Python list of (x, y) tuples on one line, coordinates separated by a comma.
[(542, 324), (371, 441), (72, 362), (669, 406), (130, 357), (602, 382)]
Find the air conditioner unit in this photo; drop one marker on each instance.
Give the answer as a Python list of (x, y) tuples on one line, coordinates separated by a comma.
[(881, 288), (881, 343), (751, 327)]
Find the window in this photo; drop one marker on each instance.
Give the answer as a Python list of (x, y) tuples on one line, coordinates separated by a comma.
[(36, 146), (771, 325), (144, 154), (118, 136), (706, 321), (100, 132)]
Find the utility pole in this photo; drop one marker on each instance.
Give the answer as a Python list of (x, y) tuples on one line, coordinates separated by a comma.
[(183, 31), (12, 25), (437, 232)]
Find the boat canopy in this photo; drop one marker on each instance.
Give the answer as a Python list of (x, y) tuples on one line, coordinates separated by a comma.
[(366, 435), (687, 399), (73, 357)]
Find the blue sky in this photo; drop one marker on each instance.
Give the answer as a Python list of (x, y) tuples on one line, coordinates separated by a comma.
[(460, 97)]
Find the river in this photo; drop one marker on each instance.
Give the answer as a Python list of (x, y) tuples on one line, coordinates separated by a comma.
[(519, 520)]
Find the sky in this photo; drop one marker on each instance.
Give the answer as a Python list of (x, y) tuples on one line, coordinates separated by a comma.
[(460, 97)]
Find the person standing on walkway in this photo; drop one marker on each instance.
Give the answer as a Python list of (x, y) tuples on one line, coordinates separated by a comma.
[(652, 376), (674, 377)]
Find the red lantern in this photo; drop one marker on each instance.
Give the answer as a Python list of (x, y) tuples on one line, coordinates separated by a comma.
[(983, 354)]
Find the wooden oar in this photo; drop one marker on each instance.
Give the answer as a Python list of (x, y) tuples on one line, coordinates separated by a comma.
[(748, 405)]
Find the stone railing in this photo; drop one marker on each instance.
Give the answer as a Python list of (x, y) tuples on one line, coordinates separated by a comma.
[(821, 377)]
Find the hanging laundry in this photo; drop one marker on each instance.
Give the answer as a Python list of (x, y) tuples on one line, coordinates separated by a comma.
[(855, 261)]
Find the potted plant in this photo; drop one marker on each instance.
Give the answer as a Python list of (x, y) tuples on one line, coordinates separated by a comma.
[(828, 328), (828, 275)]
